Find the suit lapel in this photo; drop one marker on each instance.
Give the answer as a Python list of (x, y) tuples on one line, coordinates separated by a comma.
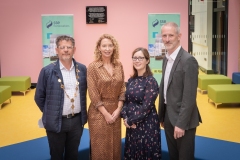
[(78, 72), (175, 66), (58, 71), (164, 66), (80, 76)]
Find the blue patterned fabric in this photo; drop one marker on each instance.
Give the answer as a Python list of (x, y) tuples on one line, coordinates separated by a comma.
[(142, 142)]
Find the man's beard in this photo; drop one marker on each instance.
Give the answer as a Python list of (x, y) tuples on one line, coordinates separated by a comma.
[(66, 57)]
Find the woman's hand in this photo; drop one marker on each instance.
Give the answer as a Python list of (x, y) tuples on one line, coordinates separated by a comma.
[(116, 114), (108, 117), (125, 123), (162, 124), (134, 126)]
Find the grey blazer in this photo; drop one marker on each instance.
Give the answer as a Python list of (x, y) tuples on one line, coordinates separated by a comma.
[(181, 106)]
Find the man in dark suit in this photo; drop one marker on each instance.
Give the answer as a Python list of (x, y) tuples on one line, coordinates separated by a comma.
[(61, 97), (178, 111)]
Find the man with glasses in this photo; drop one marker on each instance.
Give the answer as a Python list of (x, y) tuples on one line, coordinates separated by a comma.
[(61, 97)]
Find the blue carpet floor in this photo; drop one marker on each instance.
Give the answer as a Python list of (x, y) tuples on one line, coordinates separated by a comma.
[(37, 149)]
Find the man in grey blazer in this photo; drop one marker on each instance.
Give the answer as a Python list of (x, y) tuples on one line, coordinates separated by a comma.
[(178, 111)]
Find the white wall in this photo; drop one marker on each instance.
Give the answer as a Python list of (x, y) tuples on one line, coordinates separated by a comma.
[(202, 36)]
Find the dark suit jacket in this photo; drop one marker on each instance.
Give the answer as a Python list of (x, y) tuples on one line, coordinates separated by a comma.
[(49, 96), (181, 107)]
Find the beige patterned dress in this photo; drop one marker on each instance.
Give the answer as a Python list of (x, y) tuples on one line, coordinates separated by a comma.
[(104, 89)]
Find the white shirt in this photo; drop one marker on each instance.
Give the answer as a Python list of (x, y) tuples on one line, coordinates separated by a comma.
[(171, 58), (69, 80)]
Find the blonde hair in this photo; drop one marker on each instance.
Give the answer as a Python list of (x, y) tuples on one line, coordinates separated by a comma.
[(115, 55)]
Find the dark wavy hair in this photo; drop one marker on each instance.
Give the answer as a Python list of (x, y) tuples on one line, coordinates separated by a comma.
[(66, 38), (148, 71)]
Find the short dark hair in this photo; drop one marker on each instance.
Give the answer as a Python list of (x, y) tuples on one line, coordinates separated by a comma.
[(66, 38), (148, 71)]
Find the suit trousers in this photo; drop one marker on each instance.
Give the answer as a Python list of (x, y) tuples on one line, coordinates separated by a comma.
[(180, 148), (64, 145)]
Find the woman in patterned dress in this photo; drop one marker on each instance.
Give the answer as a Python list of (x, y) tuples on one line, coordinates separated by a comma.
[(139, 113), (106, 89)]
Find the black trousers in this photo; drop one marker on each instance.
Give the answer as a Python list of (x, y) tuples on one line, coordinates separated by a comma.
[(64, 145), (181, 148)]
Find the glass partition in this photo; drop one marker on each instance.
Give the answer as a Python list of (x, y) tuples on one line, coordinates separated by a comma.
[(208, 26)]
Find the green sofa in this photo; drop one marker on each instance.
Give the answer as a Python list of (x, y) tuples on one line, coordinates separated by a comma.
[(17, 83), (224, 93), (5, 94), (205, 80)]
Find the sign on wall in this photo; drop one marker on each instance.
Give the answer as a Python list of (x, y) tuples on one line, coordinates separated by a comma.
[(156, 48), (96, 14), (52, 27)]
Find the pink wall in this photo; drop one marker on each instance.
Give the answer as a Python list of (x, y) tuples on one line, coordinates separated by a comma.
[(21, 32), (233, 36)]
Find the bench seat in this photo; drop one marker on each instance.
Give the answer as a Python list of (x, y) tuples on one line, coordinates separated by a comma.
[(5, 94), (224, 93), (17, 83), (205, 80)]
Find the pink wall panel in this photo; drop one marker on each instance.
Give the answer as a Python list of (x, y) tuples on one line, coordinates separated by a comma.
[(233, 38), (21, 39)]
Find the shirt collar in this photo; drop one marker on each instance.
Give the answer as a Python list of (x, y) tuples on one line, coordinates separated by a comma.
[(99, 63), (174, 54), (62, 66)]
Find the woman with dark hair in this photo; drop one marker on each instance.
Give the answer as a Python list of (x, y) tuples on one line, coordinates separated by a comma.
[(139, 112)]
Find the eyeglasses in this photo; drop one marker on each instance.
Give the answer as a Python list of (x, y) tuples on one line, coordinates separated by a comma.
[(138, 58), (63, 47)]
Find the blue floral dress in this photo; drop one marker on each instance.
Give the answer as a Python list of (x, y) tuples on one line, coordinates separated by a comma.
[(143, 142)]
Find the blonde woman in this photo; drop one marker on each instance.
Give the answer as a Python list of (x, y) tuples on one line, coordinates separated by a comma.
[(106, 89)]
